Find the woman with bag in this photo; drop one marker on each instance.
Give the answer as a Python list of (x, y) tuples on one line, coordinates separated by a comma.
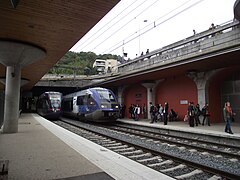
[(228, 114)]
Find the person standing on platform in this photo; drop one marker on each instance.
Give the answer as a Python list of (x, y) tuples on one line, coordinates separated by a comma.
[(228, 114), (191, 114), (206, 115), (144, 111), (130, 109), (197, 114), (172, 115), (152, 112), (137, 112), (165, 113), (160, 111)]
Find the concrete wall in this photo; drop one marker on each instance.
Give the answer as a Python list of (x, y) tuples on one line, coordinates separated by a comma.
[(177, 91), (230, 91), (224, 86), (214, 101)]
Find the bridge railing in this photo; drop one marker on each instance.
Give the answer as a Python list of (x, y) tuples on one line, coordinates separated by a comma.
[(198, 44)]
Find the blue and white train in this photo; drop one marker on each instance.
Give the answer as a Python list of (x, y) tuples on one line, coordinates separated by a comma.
[(93, 104)]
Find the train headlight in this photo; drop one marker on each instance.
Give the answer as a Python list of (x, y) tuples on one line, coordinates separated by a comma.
[(103, 106)]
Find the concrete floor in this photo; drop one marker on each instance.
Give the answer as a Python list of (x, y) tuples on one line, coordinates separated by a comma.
[(43, 150)]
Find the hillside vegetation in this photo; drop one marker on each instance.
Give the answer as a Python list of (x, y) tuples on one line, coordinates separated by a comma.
[(80, 63)]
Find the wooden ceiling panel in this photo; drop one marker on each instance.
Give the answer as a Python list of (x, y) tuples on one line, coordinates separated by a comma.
[(52, 25)]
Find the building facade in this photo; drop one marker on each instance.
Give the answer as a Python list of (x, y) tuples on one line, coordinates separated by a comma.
[(105, 66)]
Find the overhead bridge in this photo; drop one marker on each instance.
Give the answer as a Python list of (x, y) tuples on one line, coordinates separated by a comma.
[(211, 49), (222, 39)]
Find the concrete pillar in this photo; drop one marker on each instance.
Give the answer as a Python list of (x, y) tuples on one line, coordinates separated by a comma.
[(12, 94), (120, 94), (236, 10), (150, 96), (202, 81), (15, 55), (1, 107)]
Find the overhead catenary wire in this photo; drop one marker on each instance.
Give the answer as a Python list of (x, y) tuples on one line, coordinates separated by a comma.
[(111, 25), (125, 24), (126, 38), (126, 42)]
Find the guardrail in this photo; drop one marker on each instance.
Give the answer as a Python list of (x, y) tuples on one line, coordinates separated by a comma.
[(219, 37)]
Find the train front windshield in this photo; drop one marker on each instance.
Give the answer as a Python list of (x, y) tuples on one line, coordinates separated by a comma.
[(55, 101), (106, 95)]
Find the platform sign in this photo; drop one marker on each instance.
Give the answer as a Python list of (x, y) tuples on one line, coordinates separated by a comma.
[(183, 101)]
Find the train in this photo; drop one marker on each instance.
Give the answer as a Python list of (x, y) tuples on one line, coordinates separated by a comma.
[(49, 105), (93, 104)]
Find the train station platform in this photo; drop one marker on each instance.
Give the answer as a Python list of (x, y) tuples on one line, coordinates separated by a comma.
[(43, 150), (215, 128)]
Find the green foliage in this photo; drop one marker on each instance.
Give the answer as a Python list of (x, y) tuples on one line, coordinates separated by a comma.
[(80, 63)]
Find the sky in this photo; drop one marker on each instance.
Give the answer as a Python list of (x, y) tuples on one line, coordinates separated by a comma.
[(133, 26)]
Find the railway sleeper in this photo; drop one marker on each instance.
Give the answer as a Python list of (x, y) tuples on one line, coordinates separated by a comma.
[(132, 152), (149, 159), (95, 138), (141, 155), (188, 175), (117, 147), (233, 160), (105, 143), (165, 162), (112, 144), (156, 164), (180, 166), (108, 140), (181, 148), (125, 149), (215, 177)]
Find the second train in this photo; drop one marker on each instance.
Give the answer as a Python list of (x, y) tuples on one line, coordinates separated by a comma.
[(93, 104)]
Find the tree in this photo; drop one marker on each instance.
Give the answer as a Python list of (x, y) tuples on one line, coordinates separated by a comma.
[(81, 62)]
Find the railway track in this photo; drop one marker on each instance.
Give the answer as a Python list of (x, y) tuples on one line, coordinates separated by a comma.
[(230, 151), (180, 161)]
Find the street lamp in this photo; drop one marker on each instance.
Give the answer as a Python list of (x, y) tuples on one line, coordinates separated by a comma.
[(139, 34)]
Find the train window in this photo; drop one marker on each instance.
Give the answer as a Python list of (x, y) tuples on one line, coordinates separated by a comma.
[(79, 100), (106, 95), (85, 99), (91, 101), (55, 103)]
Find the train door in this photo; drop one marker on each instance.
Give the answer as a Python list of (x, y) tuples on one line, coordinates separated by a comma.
[(91, 103), (45, 105), (82, 102), (75, 106)]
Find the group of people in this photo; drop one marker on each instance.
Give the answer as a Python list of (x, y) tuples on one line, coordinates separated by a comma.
[(158, 112), (162, 113), (135, 111), (194, 112)]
